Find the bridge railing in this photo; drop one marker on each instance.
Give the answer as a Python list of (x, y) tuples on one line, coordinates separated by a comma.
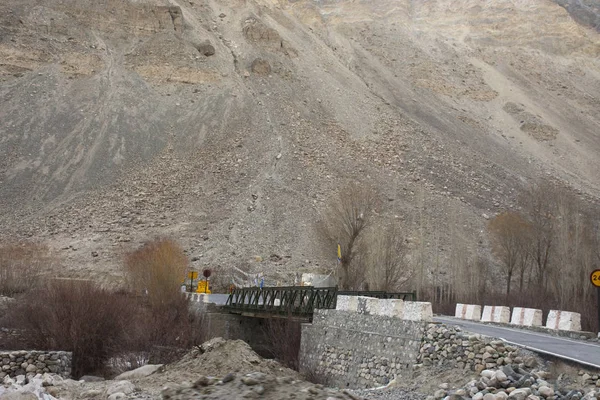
[(406, 296), (286, 300)]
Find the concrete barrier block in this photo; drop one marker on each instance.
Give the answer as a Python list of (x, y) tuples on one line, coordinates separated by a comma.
[(468, 311), (368, 305), (347, 303), (499, 314), (564, 320), (418, 311), (391, 308), (526, 316)]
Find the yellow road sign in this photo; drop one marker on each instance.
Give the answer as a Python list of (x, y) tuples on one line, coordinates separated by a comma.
[(193, 275), (595, 278), (203, 287)]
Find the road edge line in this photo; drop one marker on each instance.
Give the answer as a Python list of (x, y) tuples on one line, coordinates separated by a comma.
[(525, 331), (552, 354)]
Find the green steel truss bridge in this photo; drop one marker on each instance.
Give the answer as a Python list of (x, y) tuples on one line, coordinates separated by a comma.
[(296, 302)]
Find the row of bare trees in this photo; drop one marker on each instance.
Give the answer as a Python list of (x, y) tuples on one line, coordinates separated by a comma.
[(552, 244), (541, 255)]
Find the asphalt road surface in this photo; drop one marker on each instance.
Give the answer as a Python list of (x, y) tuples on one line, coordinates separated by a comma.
[(574, 350)]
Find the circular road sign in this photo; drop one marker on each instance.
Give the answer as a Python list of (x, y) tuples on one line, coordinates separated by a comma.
[(595, 278), (206, 273)]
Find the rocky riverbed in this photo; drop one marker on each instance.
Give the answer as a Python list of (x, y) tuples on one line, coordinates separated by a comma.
[(222, 369)]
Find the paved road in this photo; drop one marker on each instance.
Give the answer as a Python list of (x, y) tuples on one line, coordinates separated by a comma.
[(573, 350)]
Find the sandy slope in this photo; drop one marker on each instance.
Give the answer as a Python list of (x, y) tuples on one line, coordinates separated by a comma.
[(115, 128)]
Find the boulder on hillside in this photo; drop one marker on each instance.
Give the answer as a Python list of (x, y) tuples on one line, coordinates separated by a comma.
[(261, 67), (206, 48)]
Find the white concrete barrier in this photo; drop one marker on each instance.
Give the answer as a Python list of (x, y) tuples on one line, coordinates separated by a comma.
[(391, 308), (499, 314), (368, 305), (526, 316), (468, 311), (418, 311), (409, 310), (347, 303), (218, 299), (564, 320)]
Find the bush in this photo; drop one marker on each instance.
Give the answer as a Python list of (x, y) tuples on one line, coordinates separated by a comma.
[(164, 325), (21, 266), (157, 269), (162, 332), (125, 328), (76, 316), (98, 325)]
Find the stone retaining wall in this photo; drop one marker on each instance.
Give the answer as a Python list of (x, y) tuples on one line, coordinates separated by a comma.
[(357, 350), (24, 362), (443, 345)]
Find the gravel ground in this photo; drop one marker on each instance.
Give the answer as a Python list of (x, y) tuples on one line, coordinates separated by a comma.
[(390, 394)]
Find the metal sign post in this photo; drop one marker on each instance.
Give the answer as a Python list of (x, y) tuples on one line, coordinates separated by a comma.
[(206, 274), (595, 279), (192, 275)]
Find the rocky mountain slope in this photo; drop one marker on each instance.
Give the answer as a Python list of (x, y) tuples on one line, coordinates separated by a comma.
[(227, 125)]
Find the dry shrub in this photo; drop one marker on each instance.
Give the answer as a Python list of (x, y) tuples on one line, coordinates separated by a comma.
[(284, 337), (101, 326), (164, 325), (164, 332), (153, 323), (20, 267), (157, 269), (76, 316)]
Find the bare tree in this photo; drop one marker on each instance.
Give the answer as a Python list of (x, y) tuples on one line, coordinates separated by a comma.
[(344, 222), (525, 258), (540, 209), (387, 268), (508, 231)]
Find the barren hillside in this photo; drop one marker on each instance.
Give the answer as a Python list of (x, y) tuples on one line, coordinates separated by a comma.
[(227, 125)]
